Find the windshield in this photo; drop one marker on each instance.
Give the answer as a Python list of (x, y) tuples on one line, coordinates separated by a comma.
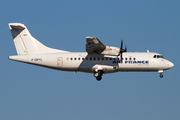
[(158, 56)]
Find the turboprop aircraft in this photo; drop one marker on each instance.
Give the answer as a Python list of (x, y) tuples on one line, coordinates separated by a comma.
[(98, 58)]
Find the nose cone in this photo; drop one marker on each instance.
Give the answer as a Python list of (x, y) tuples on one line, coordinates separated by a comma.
[(171, 64)]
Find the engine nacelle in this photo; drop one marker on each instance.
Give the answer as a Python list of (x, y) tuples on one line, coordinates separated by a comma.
[(111, 51)]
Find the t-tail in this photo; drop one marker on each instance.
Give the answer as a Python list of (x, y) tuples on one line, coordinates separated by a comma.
[(25, 43), (29, 49)]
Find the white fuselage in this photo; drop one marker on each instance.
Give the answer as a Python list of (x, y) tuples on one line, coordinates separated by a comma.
[(82, 61), (97, 59)]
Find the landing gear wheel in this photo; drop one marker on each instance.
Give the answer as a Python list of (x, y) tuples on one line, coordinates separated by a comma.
[(98, 75), (98, 78), (161, 75)]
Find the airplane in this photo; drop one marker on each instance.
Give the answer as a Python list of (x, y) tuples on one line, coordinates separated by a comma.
[(98, 58)]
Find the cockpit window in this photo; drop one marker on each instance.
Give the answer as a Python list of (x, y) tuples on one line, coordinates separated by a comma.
[(158, 56), (161, 56)]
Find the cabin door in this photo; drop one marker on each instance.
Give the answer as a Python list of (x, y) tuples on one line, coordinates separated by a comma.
[(59, 61)]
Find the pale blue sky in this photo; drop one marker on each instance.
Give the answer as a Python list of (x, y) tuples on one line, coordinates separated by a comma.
[(29, 92)]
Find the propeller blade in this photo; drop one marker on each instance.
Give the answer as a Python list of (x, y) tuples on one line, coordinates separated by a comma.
[(125, 49), (122, 50), (121, 43), (121, 58)]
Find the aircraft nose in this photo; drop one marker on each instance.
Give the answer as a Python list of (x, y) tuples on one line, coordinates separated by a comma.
[(171, 64)]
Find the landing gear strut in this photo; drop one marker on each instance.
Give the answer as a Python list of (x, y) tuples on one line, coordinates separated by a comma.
[(98, 75), (160, 72)]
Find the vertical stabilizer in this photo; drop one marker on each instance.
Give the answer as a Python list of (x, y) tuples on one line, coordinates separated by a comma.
[(25, 43)]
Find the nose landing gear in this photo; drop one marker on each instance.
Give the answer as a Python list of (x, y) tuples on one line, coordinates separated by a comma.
[(98, 75), (160, 72), (161, 75)]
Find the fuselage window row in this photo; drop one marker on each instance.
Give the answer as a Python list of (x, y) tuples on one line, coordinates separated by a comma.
[(106, 58)]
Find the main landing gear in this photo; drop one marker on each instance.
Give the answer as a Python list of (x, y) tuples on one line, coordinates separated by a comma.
[(98, 75)]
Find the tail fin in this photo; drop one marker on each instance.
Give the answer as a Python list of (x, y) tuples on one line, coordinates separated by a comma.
[(25, 43)]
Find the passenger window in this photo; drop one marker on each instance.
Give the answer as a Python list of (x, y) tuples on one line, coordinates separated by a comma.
[(134, 59), (71, 58), (114, 58), (90, 58), (94, 58), (78, 58), (125, 58), (86, 58), (106, 58), (129, 58), (110, 58), (98, 58), (74, 58), (102, 58), (82, 58), (67, 58)]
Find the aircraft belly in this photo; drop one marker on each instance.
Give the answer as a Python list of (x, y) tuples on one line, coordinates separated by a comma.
[(93, 68)]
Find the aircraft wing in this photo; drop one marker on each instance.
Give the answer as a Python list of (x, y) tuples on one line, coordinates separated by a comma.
[(94, 45)]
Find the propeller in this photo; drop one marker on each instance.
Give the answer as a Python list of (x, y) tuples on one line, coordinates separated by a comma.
[(122, 50), (125, 48)]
